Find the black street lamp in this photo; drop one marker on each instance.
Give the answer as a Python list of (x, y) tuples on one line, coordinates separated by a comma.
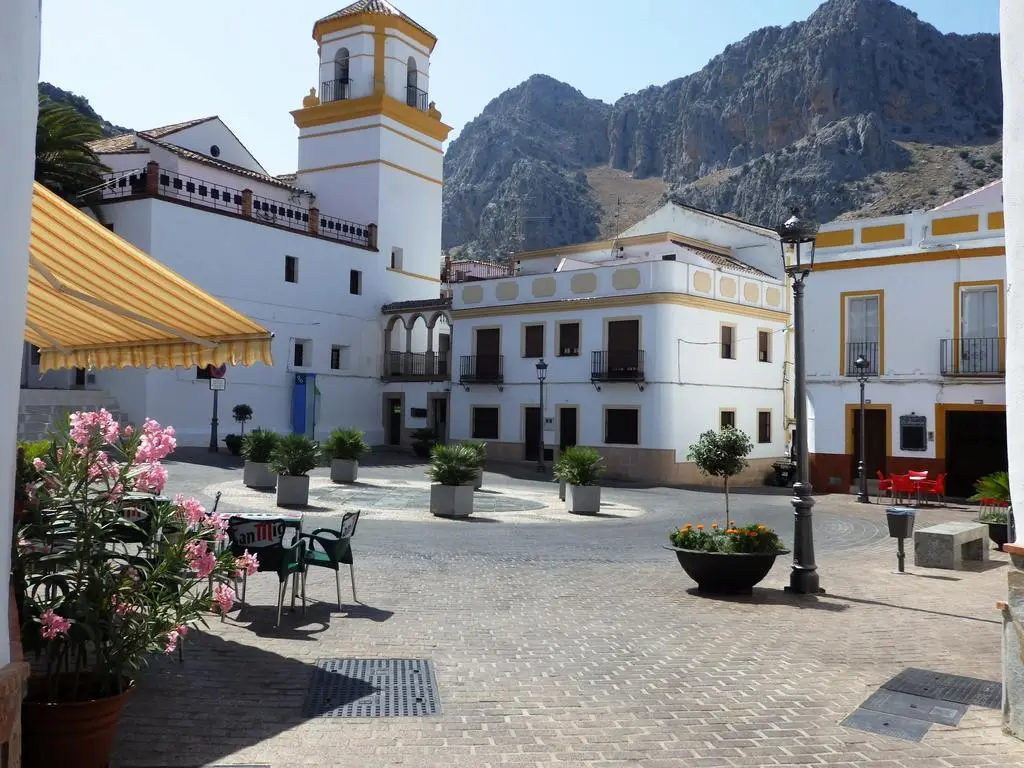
[(542, 373), (861, 364), (796, 238)]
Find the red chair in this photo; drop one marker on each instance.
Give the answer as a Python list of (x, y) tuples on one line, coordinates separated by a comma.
[(936, 487), (884, 484), (903, 486)]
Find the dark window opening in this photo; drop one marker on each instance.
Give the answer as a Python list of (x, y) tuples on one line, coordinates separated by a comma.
[(764, 346), (669, 257), (533, 345), (727, 419), (764, 426), (485, 423), (569, 340), (728, 344), (299, 355), (291, 269), (335, 358), (622, 426), (203, 372), (355, 282)]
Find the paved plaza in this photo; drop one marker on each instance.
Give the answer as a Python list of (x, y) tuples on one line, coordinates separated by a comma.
[(560, 641)]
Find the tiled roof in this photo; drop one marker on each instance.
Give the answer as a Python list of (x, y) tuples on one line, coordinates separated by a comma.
[(125, 142), (197, 157), (287, 178), (380, 7), (727, 261), (405, 306)]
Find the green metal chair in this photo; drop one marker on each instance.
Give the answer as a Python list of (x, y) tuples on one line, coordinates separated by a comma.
[(266, 540), (332, 549)]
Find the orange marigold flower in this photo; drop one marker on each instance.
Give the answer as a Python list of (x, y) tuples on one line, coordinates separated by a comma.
[(715, 526), (700, 527), (732, 523), (687, 527)]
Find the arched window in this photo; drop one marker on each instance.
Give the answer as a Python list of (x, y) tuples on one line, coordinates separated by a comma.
[(340, 84), (413, 95)]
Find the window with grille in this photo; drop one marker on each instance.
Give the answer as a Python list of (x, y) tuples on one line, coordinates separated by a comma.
[(622, 426), (485, 423), (291, 269), (533, 341), (569, 340), (764, 346), (355, 282), (302, 353), (764, 426), (728, 342)]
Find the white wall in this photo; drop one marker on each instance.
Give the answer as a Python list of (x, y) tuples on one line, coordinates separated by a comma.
[(359, 42), (200, 138)]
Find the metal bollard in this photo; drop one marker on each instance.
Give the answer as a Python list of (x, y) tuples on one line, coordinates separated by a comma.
[(901, 526)]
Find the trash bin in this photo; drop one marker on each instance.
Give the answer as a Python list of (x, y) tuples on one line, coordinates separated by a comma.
[(901, 522)]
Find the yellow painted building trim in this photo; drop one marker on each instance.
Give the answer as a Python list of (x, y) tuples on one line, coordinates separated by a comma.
[(851, 414), (358, 163), (880, 293), (397, 23), (941, 409), (395, 131), (835, 238), (377, 104), (379, 40), (911, 258), (428, 278), (995, 220), (632, 300), (883, 233), (955, 225), (602, 245), (958, 288)]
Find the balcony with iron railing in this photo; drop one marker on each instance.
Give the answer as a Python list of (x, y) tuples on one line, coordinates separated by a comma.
[(972, 357), (617, 365), (416, 98), (482, 369), (415, 366), (337, 89), (865, 349)]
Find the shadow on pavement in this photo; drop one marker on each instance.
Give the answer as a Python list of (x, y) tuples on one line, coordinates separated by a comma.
[(769, 596), (865, 601)]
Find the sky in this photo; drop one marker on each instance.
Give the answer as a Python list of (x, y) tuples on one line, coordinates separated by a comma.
[(143, 63)]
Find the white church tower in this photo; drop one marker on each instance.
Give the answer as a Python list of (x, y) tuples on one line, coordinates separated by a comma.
[(370, 139)]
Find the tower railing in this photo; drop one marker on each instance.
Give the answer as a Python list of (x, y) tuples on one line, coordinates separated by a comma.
[(416, 98), (337, 89)]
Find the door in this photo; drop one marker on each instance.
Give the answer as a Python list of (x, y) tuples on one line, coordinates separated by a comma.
[(531, 433), (874, 443), (488, 353), (623, 348), (439, 421), (979, 330), (975, 447), (444, 353), (394, 421), (566, 427)]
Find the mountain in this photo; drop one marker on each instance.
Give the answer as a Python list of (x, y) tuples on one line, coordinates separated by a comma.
[(834, 113), (80, 104)]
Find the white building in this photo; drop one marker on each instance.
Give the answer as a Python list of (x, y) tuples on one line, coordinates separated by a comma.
[(922, 298), (675, 327), (314, 255)]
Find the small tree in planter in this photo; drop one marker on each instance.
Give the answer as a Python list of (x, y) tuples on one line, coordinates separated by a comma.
[(423, 442), (580, 469), (234, 444), (256, 448), (451, 467), (242, 413), (721, 454), (993, 491), (292, 459), (345, 447), (480, 449)]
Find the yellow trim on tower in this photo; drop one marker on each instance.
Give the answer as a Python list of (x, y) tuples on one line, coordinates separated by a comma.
[(374, 125), (377, 104), (413, 274), (358, 163), (880, 293), (379, 40), (397, 23), (941, 409)]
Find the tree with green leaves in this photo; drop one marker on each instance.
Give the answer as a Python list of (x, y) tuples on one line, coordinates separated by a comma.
[(242, 413), (721, 454), (64, 162)]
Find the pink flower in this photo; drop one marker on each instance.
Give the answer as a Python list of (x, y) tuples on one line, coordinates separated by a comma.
[(102, 466), (193, 512), (87, 424), (31, 494), (156, 442), (152, 478), (53, 625), (246, 563), (116, 492), (39, 464), (224, 597), (219, 524), (200, 559), (128, 430), (121, 608), (172, 641)]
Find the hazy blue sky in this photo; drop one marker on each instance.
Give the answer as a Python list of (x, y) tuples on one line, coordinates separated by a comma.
[(144, 63)]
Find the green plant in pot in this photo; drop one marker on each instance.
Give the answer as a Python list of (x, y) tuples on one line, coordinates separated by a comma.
[(234, 444), (450, 470), (729, 558), (242, 413), (480, 449), (292, 459), (993, 493), (580, 468), (26, 473), (106, 576), (345, 447), (256, 448), (423, 442)]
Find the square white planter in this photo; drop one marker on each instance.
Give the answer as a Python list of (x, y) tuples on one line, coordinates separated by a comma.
[(583, 499), (477, 482), (344, 470), (451, 500), (561, 490), (257, 474), (292, 490)]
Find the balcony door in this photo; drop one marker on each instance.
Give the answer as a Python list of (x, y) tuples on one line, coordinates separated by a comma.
[(979, 330), (862, 332), (623, 348), (488, 353)]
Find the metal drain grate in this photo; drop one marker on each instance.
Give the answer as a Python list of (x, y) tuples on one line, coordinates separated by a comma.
[(372, 688), (938, 685)]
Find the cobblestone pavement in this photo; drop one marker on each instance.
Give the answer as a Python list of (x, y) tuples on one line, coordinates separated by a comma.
[(583, 645)]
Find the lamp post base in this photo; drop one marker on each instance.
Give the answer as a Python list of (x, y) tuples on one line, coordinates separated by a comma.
[(803, 578), (804, 583)]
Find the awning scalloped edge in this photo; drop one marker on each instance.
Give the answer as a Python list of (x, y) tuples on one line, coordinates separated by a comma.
[(161, 354)]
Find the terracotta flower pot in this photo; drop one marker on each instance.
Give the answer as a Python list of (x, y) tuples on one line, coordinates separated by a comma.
[(78, 733)]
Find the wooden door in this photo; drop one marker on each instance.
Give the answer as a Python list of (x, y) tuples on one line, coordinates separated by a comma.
[(623, 347), (531, 433), (874, 444), (566, 427), (394, 421)]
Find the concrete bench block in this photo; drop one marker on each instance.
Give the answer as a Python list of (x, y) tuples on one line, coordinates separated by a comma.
[(947, 545)]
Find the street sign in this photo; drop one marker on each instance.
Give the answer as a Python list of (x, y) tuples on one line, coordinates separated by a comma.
[(218, 385)]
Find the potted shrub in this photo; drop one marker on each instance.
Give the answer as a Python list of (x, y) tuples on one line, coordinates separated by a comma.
[(423, 442), (580, 468), (451, 466), (92, 610), (480, 449), (292, 458), (256, 448), (242, 413), (234, 444), (345, 447), (994, 491), (728, 559)]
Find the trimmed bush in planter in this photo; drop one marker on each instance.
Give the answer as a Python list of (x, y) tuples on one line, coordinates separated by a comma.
[(423, 442), (451, 467), (256, 448), (580, 469), (293, 457), (345, 447), (480, 449), (242, 413), (234, 444), (994, 490)]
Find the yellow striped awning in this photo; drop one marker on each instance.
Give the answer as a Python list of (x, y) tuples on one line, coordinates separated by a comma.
[(97, 301)]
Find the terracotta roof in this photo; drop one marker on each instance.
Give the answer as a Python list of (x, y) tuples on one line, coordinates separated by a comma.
[(727, 261), (379, 7), (125, 142), (198, 157), (405, 306), (287, 178)]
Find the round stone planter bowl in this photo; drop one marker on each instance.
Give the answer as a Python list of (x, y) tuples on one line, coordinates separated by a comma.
[(999, 533), (728, 573)]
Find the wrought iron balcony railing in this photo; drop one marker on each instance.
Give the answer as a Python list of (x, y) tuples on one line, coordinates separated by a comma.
[(973, 357), (866, 349), (617, 365), (337, 89), (414, 97), (482, 369), (416, 366)]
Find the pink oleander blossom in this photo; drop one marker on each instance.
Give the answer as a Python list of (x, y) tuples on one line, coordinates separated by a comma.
[(102, 466), (219, 523), (152, 478), (116, 492), (247, 563), (128, 430), (86, 424), (190, 508), (223, 597), (53, 625), (200, 559), (31, 494), (39, 464), (156, 442)]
